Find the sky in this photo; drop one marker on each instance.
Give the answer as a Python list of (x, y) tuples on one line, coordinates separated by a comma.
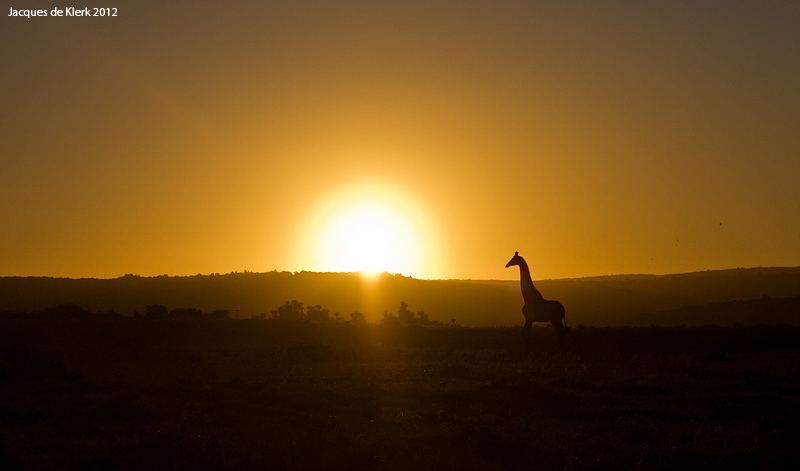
[(594, 137)]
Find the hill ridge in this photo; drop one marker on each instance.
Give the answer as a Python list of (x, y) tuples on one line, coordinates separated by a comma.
[(602, 301)]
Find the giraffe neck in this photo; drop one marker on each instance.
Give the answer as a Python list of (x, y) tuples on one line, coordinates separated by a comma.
[(529, 292)]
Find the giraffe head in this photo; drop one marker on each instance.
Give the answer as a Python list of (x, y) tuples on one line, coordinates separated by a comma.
[(515, 260)]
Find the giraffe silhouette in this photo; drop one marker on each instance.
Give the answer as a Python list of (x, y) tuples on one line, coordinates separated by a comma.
[(536, 308)]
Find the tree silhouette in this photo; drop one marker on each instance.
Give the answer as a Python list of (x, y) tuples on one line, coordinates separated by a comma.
[(156, 311), (293, 311), (181, 313), (357, 318), (220, 314), (66, 311), (317, 314), (290, 311), (389, 319), (405, 317)]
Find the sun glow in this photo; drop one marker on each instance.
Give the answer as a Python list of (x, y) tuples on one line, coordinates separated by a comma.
[(369, 229), (368, 237)]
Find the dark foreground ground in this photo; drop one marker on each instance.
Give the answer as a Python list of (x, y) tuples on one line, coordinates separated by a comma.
[(133, 394)]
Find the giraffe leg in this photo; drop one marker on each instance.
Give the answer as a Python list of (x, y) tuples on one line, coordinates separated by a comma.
[(561, 316), (526, 334), (569, 331), (565, 326), (559, 331), (562, 330)]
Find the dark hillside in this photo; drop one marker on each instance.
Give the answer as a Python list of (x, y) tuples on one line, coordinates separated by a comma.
[(599, 301), (768, 311)]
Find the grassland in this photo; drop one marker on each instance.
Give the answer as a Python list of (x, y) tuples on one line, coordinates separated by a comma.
[(248, 394)]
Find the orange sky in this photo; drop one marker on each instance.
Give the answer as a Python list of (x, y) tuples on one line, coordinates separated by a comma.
[(592, 137)]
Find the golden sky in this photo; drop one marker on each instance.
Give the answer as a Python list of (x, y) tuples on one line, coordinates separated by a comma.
[(593, 137)]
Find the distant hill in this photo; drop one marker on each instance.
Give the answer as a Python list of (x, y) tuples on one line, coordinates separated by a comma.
[(612, 300), (599, 301), (769, 311)]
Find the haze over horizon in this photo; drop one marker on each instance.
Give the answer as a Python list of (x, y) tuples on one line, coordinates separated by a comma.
[(433, 139)]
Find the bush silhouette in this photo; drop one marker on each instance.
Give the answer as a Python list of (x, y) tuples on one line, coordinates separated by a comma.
[(181, 313), (220, 314), (290, 311), (357, 317), (156, 311), (317, 314), (405, 317), (293, 311)]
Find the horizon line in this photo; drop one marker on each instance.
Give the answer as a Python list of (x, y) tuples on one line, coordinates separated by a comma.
[(385, 273)]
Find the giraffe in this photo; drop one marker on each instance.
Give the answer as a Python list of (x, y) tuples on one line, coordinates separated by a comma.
[(536, 308)]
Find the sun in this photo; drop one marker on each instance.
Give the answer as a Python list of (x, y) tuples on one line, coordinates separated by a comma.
[(368, 236), (369, 228)]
